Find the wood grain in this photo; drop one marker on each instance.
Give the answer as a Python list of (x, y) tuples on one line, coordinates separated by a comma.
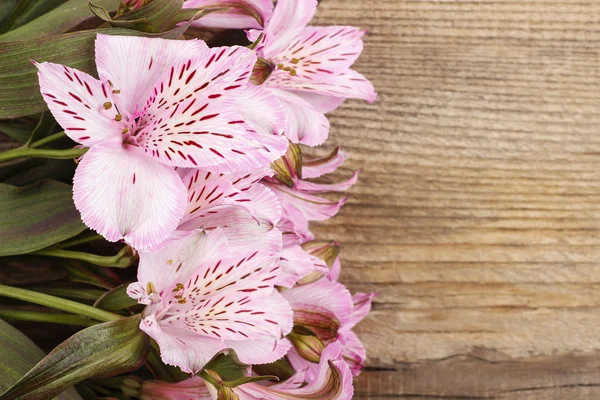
[(477, 215)]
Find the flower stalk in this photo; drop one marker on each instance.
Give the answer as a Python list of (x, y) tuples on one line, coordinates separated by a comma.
[(122, 259), (57, 303)]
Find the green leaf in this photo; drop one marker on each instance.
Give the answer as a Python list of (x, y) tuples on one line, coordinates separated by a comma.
[(153, 17), (116, 299), (91, 274), (19, 354), (44, 127), (227, 366), (19, 129), (107, 349), (59, 20), (27, 10), (280, 368), (36, 216), (8, 6)]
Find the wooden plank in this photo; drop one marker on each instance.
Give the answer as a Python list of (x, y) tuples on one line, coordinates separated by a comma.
[(477, 213)]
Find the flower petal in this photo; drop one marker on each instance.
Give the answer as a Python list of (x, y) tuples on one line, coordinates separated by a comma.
[(307, 206), (77, 101), (190, 118), (260, 351), (262, 110), (305, 124), (242, 14), (296, 264), (313, 187), (353, 351), (122, 194), (362, 306), (314, 168), (288, 20), (134, 64)]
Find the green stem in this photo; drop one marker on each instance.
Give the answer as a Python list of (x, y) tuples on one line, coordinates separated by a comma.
[(20, 152), (66, 319), (48, 139), (75, 242), (78, 294), (57, 303), (120, 260)]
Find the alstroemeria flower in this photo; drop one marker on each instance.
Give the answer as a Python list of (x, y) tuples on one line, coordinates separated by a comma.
[(330, 311), (193, 388), (235, 14), (201, 301), (311, 68), (158, 104), (332, 381)]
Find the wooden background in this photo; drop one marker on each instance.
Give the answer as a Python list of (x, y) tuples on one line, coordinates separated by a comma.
[(476, 217)]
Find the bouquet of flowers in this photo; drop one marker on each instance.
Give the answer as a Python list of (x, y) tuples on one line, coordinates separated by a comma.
[(193, 122)]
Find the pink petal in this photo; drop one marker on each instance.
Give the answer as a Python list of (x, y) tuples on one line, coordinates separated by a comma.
[(335, 270), (314, 168), (192, 388), (241, 15), (294, 228), (322, 295), (190, 120), (362, 307), (134, 64), (262, 110), (179, 259), (122, 194), (261, 351), (181, 348), (320, 54), (323, 103), (306, 124), (288, 20), (353, 351), (307, 206), (76, 101), (312, 187), (296, 264)]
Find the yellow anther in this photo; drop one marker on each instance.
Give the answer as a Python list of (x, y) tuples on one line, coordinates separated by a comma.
[(182, 301), (107, 105), (293, 72), (110, 83), (178, 297), (287, 69), (116, 91), (295, 61), (118, 117), (150, 288), (125, 130), (280, 66), (170, 262)]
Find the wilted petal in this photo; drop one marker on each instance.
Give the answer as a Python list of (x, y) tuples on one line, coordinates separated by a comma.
[(77, 102), (238, 14), (134, 64), (314, 168), (122, 194), (305, 124)]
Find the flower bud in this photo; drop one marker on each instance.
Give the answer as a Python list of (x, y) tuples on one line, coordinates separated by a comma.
[(289, 167), (307, 344), (327, 251), (226, 393), (262, 71)]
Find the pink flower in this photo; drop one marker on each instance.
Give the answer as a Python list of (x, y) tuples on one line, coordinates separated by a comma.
[(192, 388), (328, 309), (312, 74), (201, 301), (158, 105), (300, 204), (237, 14)]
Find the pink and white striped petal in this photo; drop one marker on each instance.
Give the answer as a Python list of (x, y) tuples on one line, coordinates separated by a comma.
[(319, 53), (362, 306), (305, 124), (122, 194), (260, 351), (190, 120), (238, 14), (192, 388), (307, 206), (82, 105), (321, 102), (262, 111), (353, 352), (134, 64)]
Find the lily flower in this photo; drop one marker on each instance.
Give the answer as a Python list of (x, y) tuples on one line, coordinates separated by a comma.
[(158, 104), (232, 14), (201, 301), (329, 310), (310, 66)]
